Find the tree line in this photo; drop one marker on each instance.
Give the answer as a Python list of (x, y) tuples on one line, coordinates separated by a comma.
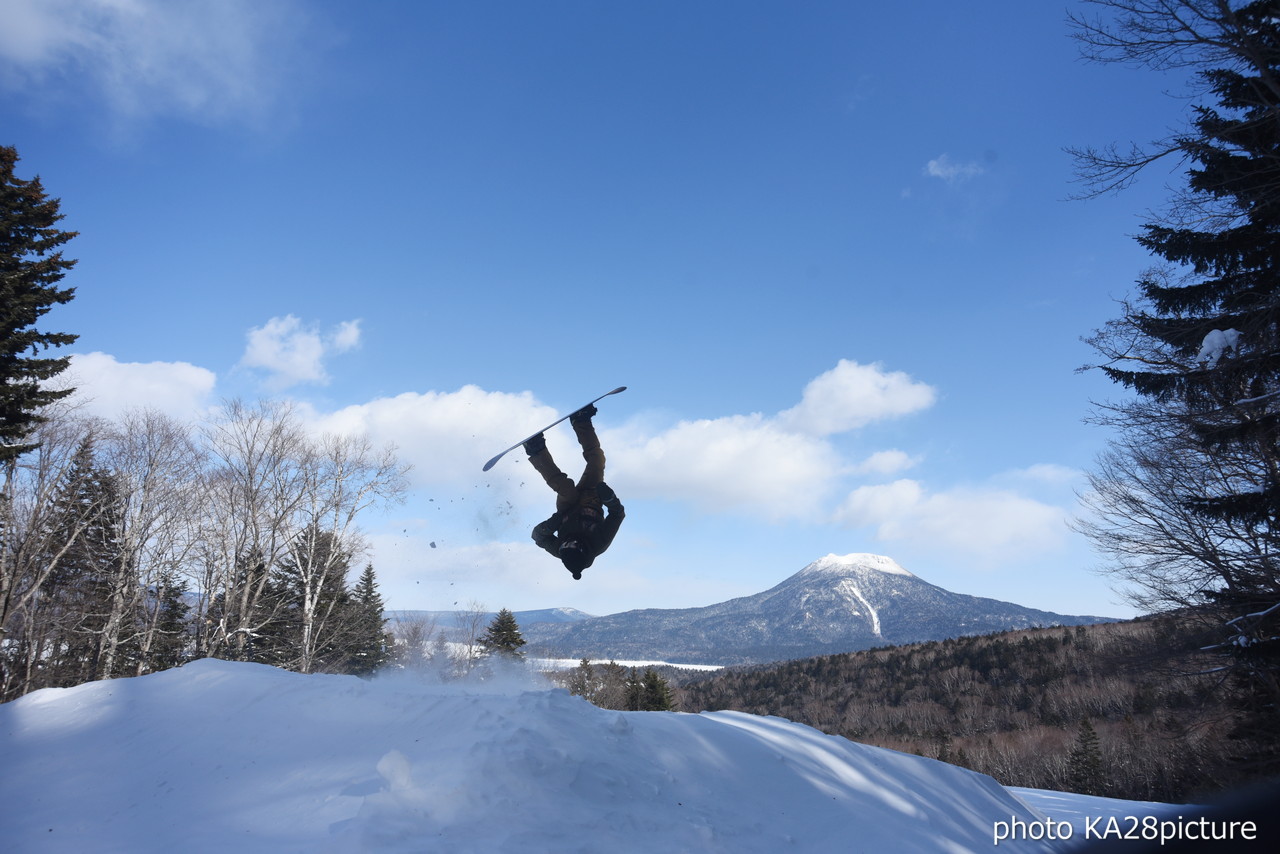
[(134, 545), (610, 685), (131, 545), (421, 645), (1094, 709)]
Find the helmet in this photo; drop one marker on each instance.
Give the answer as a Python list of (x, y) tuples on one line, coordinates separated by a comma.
[(574, 557)]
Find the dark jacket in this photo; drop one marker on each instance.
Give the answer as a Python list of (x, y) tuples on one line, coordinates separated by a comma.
[(590, 523)]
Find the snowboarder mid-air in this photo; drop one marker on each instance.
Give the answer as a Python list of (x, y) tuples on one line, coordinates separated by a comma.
[(579, 530)]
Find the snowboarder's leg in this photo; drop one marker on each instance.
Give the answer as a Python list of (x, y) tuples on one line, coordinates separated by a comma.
[(541, 460), (593, 474)]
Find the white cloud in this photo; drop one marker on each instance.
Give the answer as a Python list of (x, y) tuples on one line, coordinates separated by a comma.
[(1048, 474), (210, 60), (346, 336), (886, 463), (852, 395), (447, 436), (769, 467), (990, 524), (882, 506), (740, 463), (950, 171), (291, 352), (774, 468), (107, 388)]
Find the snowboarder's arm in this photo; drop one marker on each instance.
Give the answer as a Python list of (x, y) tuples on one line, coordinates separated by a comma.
[(544, 535), (612, 521)]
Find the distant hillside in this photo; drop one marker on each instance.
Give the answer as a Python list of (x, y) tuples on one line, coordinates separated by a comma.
[(1011, 705), (835, 604), (456, 625)]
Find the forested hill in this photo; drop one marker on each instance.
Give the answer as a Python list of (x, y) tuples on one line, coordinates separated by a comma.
[(1081, 708)]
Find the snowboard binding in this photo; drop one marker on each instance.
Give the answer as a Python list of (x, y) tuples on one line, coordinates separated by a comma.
[(583, 414)]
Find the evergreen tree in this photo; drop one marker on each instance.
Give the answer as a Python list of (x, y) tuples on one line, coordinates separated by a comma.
[(1084, 763), (31, 265), (634, 691), (503, 637), (369, 645), (79, 608), (1190, 498), (441, 658), (311, 623), (655, 693), (242, 621), (613, 687), (1218, 325), (648, 692), (581, 681), (170, 630)]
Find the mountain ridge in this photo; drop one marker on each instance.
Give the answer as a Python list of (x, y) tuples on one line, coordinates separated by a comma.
[(460, 625), (837, 603)]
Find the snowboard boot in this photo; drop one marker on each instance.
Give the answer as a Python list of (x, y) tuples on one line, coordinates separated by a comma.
[(536, 445), (583, 414)]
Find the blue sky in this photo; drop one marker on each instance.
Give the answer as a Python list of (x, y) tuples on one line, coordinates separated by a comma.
[(828, 246)]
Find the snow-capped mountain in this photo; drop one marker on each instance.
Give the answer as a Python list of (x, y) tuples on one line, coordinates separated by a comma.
[(835, 604)]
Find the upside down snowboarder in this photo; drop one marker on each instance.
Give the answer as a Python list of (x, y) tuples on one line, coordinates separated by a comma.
[(588, 513)]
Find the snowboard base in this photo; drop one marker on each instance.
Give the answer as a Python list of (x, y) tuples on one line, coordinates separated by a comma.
[(494, 461)]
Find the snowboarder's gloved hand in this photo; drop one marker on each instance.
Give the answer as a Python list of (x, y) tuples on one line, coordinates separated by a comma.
[(584, 414), (536, 445), (544, 535), (605, 493)]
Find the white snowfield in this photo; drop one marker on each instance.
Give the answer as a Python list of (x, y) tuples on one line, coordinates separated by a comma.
[(219, 756)]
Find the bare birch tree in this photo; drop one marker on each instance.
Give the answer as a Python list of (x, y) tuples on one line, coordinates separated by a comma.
[(467, 651), (158, 471), (343, 478), (99, 538), (254, 491)]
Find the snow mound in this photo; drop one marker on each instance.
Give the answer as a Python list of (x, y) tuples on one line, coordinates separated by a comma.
[(840, 564), (220, 756)]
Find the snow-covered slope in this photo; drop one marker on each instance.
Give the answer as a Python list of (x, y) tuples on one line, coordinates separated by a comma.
[(838, 603), (219, 756)]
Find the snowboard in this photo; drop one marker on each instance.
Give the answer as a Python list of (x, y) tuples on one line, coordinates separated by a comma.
[(494, 461)]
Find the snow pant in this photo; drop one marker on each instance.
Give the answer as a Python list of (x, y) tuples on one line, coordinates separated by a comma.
[(567, 492)]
